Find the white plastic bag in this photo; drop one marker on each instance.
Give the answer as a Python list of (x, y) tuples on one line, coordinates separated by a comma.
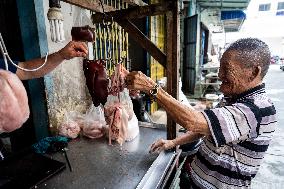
[(132, 129), (123, 124), (70, 127), (126, 102), (94, 123)]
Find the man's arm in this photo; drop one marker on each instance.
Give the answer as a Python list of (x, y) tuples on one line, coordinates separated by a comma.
[(162, 144), (71, 50), (188, 118)]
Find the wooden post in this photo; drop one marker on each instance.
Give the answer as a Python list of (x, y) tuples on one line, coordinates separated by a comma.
[(33, 32), (173, 61)]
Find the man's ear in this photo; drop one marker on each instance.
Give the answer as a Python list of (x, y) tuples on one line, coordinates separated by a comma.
[(256, 73)]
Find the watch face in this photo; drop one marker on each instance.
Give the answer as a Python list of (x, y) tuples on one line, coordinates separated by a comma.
[(155, 91)]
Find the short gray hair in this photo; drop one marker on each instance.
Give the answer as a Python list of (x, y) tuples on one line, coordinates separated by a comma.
[(252, 52)]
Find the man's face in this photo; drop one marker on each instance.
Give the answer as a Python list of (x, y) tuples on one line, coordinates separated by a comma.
[(234, 76)]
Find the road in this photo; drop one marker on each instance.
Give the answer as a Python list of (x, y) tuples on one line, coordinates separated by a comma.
[(271, 173)]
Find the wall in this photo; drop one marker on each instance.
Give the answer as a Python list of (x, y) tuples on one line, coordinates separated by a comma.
[(66, 89)]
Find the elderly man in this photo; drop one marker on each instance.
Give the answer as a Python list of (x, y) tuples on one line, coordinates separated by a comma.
[(14, 110), (237, 134)]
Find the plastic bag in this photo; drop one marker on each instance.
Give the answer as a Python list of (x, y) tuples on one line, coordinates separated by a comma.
[(119, 114), (132, 129), (70, 127), (94, 123), (126, 101)]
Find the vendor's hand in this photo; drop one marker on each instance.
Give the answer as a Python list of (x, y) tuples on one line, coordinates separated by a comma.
[(74, 49), (138, 81), (161, 145)]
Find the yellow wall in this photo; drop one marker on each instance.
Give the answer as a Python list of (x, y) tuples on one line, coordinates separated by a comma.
[(157, 35)]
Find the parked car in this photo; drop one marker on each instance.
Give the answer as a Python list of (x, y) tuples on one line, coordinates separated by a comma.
[(275, 59), (282, 63)]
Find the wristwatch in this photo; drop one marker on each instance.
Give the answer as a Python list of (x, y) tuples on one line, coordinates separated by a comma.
[(154, 92)]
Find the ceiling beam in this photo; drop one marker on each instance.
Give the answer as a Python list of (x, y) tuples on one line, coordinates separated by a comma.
[(133, 12), (94, 5), (135, 2)]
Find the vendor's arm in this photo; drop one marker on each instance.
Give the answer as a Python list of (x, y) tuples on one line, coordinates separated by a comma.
[(188, 118), (163, 144), (71, 50)]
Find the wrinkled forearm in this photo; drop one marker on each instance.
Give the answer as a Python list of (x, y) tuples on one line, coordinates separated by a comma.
[(53, 60), (187, 138), (188, 118)]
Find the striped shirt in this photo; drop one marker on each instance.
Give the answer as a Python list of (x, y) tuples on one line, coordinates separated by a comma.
[(241, 131)]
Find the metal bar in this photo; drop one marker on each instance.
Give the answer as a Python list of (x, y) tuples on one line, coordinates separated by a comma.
[(157, 172), (116, 36), (175, 162)]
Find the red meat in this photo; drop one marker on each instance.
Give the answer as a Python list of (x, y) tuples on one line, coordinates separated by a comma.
[(97, 80)]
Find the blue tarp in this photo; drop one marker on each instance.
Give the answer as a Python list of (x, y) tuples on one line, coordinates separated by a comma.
[(233, 14)]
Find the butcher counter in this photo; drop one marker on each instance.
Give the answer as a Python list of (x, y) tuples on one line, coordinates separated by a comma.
[(95, 164)]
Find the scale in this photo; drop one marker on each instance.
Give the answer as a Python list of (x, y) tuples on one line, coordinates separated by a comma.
[(27, 170)]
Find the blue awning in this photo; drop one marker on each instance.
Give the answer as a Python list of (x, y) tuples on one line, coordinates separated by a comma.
[(232, 19), (233, 14), (280, 13)]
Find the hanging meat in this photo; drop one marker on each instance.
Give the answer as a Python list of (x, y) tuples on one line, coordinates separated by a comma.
[(118, 80), (83, 33), (97, 80), (119, 109), (117, 119), (95, 73)]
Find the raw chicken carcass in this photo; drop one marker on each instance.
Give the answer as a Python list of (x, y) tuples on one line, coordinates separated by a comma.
[(117, 119), (118, 80), (97, 80), (69, 129), (14, 107), (119, 108), (94, 129)]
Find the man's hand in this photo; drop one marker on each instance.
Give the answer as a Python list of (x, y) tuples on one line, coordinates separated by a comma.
[(139, 81), (14, 107), (161, 145), (74, 49)]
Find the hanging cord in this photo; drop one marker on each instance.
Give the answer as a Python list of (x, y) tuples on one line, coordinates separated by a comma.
[(6, 55), (105, 25), (103, 11)]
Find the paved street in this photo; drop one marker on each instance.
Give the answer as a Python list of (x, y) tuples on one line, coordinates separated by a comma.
[(271, 173)]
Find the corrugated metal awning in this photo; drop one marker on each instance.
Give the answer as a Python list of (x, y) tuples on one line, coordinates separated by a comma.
[(232, 20), (224, 4), (233, 14)]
